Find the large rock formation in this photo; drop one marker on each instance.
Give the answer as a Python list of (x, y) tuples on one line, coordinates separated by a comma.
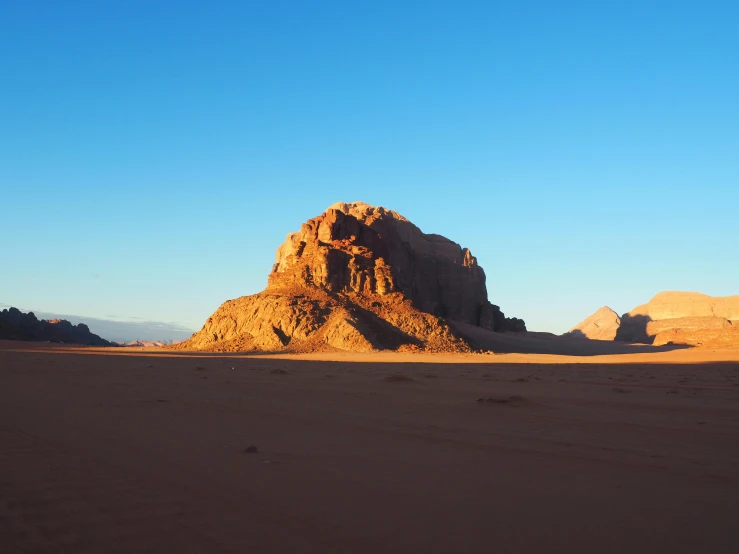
[(16, 325), (359, 278), (673, 305), (602, 325), (685, 318)]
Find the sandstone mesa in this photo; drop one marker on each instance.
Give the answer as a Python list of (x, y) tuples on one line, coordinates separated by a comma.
[(360, 278)]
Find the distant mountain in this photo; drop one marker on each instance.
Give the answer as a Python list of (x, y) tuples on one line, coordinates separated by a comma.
[(16, 325), (688, 318), (146, 343), (602, 325), (684, 318), (123, 330)]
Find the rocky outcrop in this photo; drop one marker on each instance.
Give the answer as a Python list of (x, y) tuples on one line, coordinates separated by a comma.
[(674, 305), (726, 336), (316, 321), (681, 318), (359, 278), (687, 318), (16, 325), (357, 248), (602, 325)]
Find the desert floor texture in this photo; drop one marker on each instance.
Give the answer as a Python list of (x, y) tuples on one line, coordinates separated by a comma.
[(122, 450)]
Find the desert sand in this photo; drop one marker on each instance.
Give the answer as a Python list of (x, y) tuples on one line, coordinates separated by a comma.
[(143, 450)]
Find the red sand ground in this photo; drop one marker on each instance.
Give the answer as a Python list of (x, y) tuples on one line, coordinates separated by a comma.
[(111, 450)]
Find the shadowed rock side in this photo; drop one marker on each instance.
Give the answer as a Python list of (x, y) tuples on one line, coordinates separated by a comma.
[(16, 325), (359, 278), (684, 318)]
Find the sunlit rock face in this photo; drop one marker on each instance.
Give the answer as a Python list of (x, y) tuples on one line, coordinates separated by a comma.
[(688, 318), (602, 325), (681, 318), (361, 249), (359, 278), (673, 305)]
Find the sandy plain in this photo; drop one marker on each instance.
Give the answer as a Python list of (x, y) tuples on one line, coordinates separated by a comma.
[(130, 450)]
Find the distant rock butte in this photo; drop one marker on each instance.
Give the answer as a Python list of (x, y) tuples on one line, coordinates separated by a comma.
[(16, 325), (359, 278), (672, 305), (686, 318), (602, 325)]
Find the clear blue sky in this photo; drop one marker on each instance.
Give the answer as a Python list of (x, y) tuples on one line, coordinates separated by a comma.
[(153, 155)]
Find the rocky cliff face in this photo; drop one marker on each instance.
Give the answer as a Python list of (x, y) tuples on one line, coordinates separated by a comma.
[(359, 277), (16, 325), (357, 248)]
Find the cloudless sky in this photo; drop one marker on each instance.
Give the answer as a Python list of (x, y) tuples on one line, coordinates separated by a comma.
[(153, 155)]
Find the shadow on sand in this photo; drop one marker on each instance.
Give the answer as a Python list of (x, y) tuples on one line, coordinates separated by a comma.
[(633, 340)]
